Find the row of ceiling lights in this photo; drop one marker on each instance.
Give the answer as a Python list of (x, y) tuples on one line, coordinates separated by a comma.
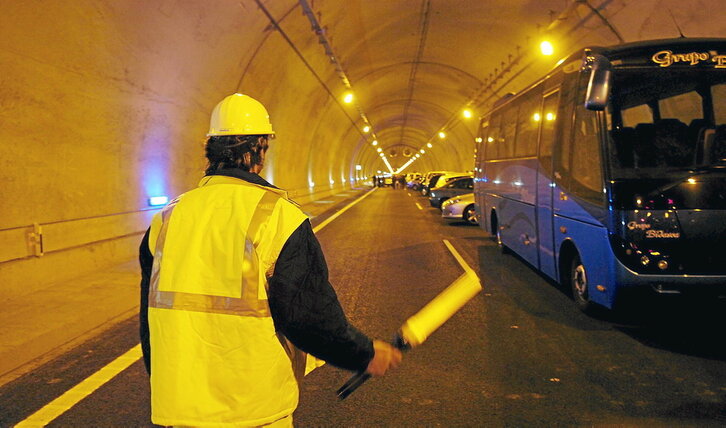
[(349, 98), (546, 48)]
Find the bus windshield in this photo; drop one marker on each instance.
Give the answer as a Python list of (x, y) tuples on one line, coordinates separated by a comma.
[(664, 122)]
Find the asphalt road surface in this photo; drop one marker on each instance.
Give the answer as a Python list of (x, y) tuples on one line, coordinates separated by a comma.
[(518, 354)]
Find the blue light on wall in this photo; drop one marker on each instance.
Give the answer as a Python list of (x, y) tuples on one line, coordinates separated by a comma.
[(156, 201)]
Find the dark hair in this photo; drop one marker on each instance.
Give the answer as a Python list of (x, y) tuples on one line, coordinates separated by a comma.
[(228, 151)]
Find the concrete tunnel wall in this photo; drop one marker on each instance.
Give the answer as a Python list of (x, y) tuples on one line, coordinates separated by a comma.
[(106, 103)]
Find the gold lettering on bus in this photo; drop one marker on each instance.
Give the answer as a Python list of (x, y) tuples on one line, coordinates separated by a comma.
[(661, 234), (666, 58), (720, 61)]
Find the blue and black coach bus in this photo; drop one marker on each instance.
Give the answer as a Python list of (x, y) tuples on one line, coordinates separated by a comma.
[(610, 172)]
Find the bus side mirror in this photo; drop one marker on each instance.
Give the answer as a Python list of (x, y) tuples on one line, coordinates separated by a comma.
[(598, 88)]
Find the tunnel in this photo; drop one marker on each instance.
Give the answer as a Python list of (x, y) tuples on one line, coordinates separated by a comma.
[(106, 104)]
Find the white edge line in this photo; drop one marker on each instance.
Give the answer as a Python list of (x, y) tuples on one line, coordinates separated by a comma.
[(334, 216), (73, 396), (460, 259)]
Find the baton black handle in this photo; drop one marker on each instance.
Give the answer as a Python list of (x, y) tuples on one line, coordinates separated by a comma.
[(359, 378), (352, 384)]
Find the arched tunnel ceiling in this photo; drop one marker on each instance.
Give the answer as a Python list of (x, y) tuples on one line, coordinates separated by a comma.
[(414, 65), (112, 98)]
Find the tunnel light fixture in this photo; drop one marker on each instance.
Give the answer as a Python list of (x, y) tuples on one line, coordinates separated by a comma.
[(536, 117), (156, 201), (442, 134), (366, 129), (358, 167), (348, 97), (478, 139), (388, 165), (546, 48), (467, 113), (423, 151), (379, 150), (375, 142), (429, 145)]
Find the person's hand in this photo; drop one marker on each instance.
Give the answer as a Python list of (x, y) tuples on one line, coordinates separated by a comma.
[(385, 357)]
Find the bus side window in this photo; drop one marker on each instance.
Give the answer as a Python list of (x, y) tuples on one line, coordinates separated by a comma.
[(480, 153), (637, 114), (549, 117), (509, 131), (586, 156), (719, 105), (529, 118), (493, 141), (563, 134)]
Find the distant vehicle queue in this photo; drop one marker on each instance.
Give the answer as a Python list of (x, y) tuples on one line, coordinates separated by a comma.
[(449, 191)]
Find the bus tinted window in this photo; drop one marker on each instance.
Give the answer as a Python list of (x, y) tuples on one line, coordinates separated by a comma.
[(509, 131), (528, 120), (549, 116), (635, 115), (564, 134), (586, 170), (681, 135), (493, 141), (718, 94), (684, 107)]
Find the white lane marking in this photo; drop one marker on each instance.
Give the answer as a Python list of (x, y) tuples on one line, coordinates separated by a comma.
[(419, 206), (347, 207), (74, 395), (460, 259)]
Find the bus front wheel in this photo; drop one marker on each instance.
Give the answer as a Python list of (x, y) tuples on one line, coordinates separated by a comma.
[(578, 284), (497, 232)]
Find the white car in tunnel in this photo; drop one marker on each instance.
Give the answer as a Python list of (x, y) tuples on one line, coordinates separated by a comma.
[(460, 208)]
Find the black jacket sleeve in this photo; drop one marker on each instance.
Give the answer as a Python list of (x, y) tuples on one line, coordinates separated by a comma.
[(306, 309), (146, 260)]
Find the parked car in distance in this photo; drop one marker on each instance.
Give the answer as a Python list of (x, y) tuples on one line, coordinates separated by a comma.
[(460, 207), (413, 181), (447, 178), (430, 176), (454, 187)]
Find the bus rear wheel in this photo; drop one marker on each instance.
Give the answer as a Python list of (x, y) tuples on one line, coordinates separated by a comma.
[(578, 284)]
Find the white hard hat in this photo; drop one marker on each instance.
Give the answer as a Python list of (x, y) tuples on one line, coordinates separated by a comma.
[(240, 114)]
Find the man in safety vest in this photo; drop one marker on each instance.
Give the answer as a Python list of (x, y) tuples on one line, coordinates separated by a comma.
[(235, 291)]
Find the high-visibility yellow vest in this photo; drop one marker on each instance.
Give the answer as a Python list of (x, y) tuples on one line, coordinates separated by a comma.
[(216, 359)]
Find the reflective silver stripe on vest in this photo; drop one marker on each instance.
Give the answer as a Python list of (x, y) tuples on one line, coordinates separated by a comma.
[(249, 304)]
